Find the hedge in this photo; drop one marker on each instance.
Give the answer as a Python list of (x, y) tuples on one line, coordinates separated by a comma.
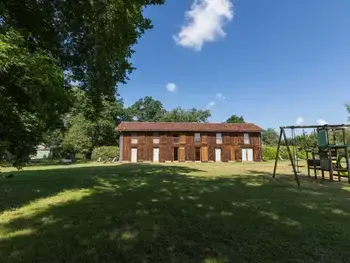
[(105, 152), (269, 153)]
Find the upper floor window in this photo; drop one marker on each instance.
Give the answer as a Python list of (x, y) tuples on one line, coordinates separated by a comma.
[(156, 138), (218, 138), (133, 137), (246, 138), (176, 138), (197, 137)]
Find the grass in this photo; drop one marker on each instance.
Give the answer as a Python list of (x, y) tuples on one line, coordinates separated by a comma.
[(171, 213)]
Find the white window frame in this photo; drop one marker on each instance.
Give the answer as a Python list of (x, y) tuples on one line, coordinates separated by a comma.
[(246, 138), (219, 138), (198, 137), (156, 138), (134, 138)]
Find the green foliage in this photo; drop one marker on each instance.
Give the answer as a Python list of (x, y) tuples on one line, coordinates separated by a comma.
[(78, 138), (32, 97), (91, 40), (269, 153), (182, 115), (270, 137), (235, 119), (151, 110), (284, 153), (147, 109), (105, 152)]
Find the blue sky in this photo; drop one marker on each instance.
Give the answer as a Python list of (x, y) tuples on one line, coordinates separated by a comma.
[(274, 62)]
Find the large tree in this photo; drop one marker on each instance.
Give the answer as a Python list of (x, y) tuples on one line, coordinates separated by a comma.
[(91, 40), (82, 133), (45, 46), (146, 109), (270, 137), (32, 97), (235, 119), (183, 115)]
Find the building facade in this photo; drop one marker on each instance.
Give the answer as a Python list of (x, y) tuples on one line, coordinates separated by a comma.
[(189, 142)]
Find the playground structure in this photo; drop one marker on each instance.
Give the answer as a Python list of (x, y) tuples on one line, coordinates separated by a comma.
[(329, 155)]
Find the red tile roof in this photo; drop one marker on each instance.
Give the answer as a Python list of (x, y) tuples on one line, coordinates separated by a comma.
[(188, 126)]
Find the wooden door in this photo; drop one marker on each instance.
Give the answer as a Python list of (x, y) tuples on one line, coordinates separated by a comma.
[(204, 155), (232, 154), (182, 154)]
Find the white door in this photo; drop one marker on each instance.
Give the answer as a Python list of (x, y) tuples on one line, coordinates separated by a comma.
[(133, 155), (244, 155), (218, 155), (155, 154), (250, 155)]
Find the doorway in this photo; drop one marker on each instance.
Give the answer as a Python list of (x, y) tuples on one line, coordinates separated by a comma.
[(247, 155), (176, 153), (217, 155), (197, 154), (156, 155), (133, 155)]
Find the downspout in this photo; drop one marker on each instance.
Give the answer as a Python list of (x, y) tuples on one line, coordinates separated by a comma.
[(261, 149), (121, 147)]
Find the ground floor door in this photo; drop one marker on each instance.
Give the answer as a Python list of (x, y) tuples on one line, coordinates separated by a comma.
[(204, 154), (217, 155), (133, 155), (250, 155), (156, 155), (247, 155), (182, 154)]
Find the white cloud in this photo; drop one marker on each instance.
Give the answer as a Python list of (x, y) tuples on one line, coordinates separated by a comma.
[(321, 122), (300, 121), (211, 104), (220, 96), (171, 87), (204, 23)]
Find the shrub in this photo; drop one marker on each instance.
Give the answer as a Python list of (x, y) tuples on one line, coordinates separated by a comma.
[(105, 152), (269, 153), (284, 153)]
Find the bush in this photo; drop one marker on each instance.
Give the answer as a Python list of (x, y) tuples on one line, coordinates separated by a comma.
[(105, 152), (284, 153), (269, 153)]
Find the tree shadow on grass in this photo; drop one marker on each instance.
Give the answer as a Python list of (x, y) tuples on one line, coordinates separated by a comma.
[(151, 213)]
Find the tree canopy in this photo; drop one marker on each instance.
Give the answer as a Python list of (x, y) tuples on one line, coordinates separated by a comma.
[(91, 40), (183, 115), (270, 137), (32, 97), (146, 109), (45, 47), (235, 119)]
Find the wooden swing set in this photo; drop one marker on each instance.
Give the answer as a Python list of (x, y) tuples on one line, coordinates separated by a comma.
[(326, 156)]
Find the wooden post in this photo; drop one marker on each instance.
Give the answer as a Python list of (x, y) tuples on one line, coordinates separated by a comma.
[(291, 158), (347, 162), (277, 154), (331, 163), (308, 167), (314, 163), (322, 174)]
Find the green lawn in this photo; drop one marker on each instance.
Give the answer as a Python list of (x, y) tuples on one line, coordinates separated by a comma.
[(171, 213)]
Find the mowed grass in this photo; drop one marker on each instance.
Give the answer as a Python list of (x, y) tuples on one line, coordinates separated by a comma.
[(211, 212)]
